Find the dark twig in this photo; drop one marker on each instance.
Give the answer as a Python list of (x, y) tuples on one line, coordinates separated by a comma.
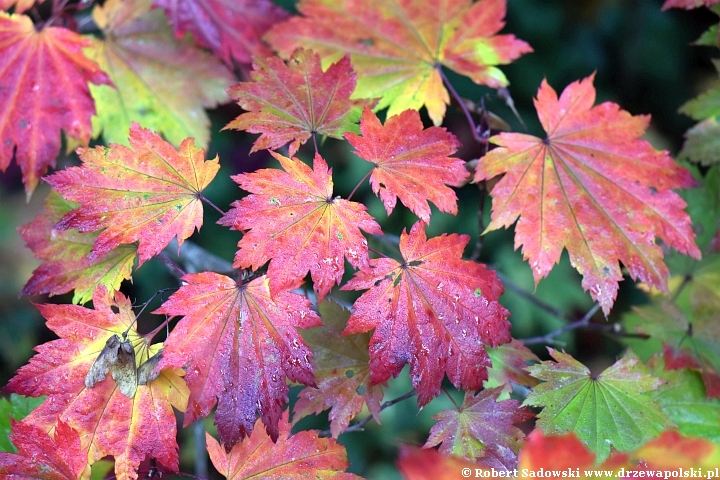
[(549, 338), (459, 100), (510, 285), (358, 427), (481, 221)]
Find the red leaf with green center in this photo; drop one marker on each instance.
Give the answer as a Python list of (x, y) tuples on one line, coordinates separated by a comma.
[(148, 193), (66, 256), (590, 186), (295, 222), (44, 90), (291, 103), (434, 311), (230, 28), (411, 163), (483, 428), (238, 339), (41, 456), (398, 47), (108, 421), (342, 371), (302, 455)]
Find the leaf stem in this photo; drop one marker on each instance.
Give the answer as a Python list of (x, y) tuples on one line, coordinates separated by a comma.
[(358, 185), (174, 267), (481, 221), (457, 407), (317, 150), (549, 338), (358, 427), (459, 100), (206, 200)]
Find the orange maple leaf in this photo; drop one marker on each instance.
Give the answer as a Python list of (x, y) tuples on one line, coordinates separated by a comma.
[(590, 186), (44, 76), (295, 222), (148, 193)]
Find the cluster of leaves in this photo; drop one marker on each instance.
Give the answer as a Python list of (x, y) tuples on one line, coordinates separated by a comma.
[(590, 186)]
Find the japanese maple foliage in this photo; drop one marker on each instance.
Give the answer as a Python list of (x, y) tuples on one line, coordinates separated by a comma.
[(322, 307)]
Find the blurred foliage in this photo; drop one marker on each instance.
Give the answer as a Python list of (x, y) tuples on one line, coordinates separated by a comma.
[(643, 59)]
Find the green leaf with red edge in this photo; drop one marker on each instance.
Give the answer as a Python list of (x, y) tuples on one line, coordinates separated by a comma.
[(688, 4), (237, 338), (45, 457), (232, 29), (147, 193), (690, 335), (434, 311), (293, 102), (483, 428), (342, 372), (296, 224), (108, 422), (590, 186), (606, 410), (411, 163), (66, 256), (509, 365), (429, 464), (302, 455), (398, 48), (163, 83), (34, 67)]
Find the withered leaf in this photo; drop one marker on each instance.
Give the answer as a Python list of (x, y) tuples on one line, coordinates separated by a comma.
[(146, 372)]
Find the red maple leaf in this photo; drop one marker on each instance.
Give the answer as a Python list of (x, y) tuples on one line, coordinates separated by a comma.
[(434, 311), (41, 456), (238, 344), (232, 29), (590, 186), (44, 76), (482, 427), (295, 222), (302, 455), (411, 163), (148, 193), (291, 103), (108, 421)]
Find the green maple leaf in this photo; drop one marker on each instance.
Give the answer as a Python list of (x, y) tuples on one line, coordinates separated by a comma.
[(606, 410)]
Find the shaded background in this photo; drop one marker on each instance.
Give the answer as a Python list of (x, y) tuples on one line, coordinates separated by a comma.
[(643, 61)]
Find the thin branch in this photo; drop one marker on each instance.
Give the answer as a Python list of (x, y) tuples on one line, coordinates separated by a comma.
[(530, 297), (460, 102), (549, 338), (358, 427), (481, 221), (201, 465)]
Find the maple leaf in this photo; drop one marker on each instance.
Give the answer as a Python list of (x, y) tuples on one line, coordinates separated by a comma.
[(482, 428), (232, 29), (342, 372), (147, 193), (34, 67), (302, 455), (237, 338), (295, 222), (543, 452), (291, 103), (411, 163), (701, 143), (688, 4), (44, 457), (429, 464), (162, 83), (509, 365), (66, 256), (434, 311), (590, 186), (398, 47), (605, 410), (108, 422)]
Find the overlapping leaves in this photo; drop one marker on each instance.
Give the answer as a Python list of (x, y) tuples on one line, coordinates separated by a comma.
[(397, 47), (238, 345), (590, 186), (433, 310)]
